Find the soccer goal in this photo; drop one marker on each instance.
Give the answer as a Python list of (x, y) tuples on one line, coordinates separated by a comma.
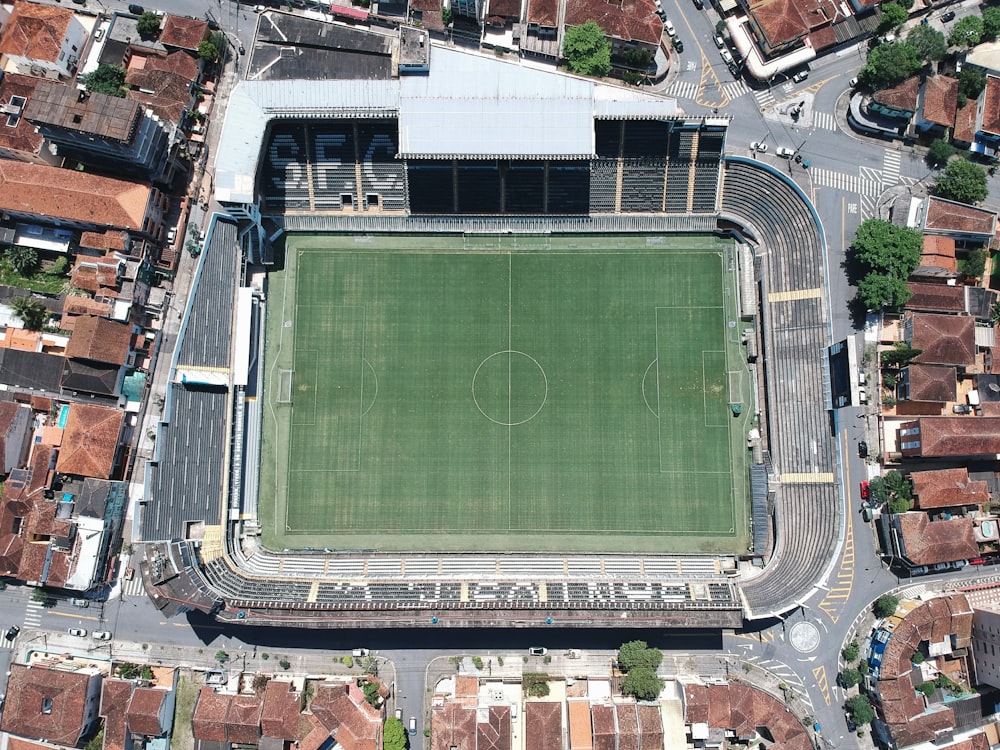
[(284, 386)]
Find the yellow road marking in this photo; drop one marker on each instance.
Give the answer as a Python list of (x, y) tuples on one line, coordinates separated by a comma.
[(75, 616), (795, 294), (819, 477), (710, 80), (841, 591), (824, 687)]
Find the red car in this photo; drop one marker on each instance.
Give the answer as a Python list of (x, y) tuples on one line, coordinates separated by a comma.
[(864, 490), (977, 561)]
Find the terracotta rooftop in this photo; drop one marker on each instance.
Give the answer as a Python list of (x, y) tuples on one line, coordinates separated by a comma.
[(506, 9), (945, 488), (581, 736), (629, 20), (348, 717), (779, 20), (114, 698), (46, 704), (75, 306), (279, 716), (494, 733), (936, 297), (453, 727), (958, 218), (942, 339), (165, 82), (95, 274), (991, 106), (965, 122), (939, 252), (103, 116), (100, 340), (243, 720), (542, 725), (208, 723), (543, 12), (928, 542), (22, 137), (143, 715), (183, 33), (603, 717), (466, 686), (67, 194), (35, 31), (743, 711), (904, 96), (933, 383), (90, 442), (628, 726), (103, 240), (958, 436), (940, 100), (650, 727)]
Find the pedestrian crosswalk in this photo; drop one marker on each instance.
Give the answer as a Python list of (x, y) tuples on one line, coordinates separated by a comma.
[(890, 167), (735, 89), (764, 98), (848, 182), (824, 120), (133, 587), (683, 89), (33, 614)]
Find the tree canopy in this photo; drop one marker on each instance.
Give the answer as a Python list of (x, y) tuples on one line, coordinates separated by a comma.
[(208, 51), (107, 79), (850, 677), (882, 246), (586, 50), (928, 41), (889, 64), (939, 152), (393, 734), (879, 291), (967, 32), (148, 25), (971, 81), (861, 709), (962, 181), (31, 311), (991, 21), (885, 605), (642, 683), (636, 654), (893, 15), (973, 265), (24, 260)]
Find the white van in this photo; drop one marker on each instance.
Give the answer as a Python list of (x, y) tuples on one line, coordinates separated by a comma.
[(359, 652)]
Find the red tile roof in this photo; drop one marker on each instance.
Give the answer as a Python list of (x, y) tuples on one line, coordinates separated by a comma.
[(780, 21), (100, 340), (243, 720), (114, 698), (965, 122), (184, 33), (928, 542), (95, 274), (73, 196), (945, 488), (351, 720), (958, 436), (991, 106), (581, 735), (208, 723), (650, 727), (90, 441), (628, 726), (542, 725), (103, 240), (168, 78), (543, 12), (629, 20), (279, 716), (942, 339), (603, 718), (35, 31), (939, 252), (453, 727), (958, 218), (743, 711), (904, 96), (931, 383), (46, 704), (494, 733), (143, 715), (936, 297), (22, 138), (940, 100)]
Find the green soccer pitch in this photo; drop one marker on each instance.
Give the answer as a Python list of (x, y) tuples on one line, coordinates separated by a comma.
[(537, 394)]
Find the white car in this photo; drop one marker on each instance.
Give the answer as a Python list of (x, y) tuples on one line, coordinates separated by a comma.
[(726, 56), (538, 651), (102, 635), (78, 632), (758, 147), (719, 41), (800, 76), (784, 152), (669, 27)]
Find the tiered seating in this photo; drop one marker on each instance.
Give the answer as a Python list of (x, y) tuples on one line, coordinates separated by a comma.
[(524, 188), (382, 174), (706, 186), (569, 188), (284, 174), (431, 188), (645, 138), (642, 185), (479, 188), (603, 184), (607, 140), (332, 145)]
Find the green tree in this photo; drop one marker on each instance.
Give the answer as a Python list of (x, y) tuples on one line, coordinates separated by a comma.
[(962, 181), (535, 684), (58, 267), (638, 654), (878, 291), (148, 25), (882, 246), (639, 58), (898, 505), (939, 152), (899, 355), (393, 734), (447, 16), (107, 79), (586, 50), (208, 51), (927, 688), (370, 689), (24, 260), (642, 683), (967, 32), (885, 605), (34, 315), (96, 742), (877, 494), (221, 656), (917, 658), (893, 15), (889, 64), (974, 265), (851, 651), (850, 677), (861, 709), (991, 22), (928, 41), (972, 81), (127, 670)]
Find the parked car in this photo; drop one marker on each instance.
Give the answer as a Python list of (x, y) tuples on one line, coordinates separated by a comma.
[(719, 41), (785, 152), (102, 635), (864, 490), (853, 83), (78, 632), (12, 632), (919, 570), (413, 726), (862, 449), (948, 15), (81, 603), (758, 147), (669, 27), (800, 76), (851, 726), (977, 561), (359, 652), (399, 714), (137, 10), (862, 393), (538, 651), (678, 44), (727, 56), (172, 236), (699, 4), (962, 409)]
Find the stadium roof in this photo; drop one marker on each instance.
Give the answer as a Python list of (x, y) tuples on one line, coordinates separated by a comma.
[(489, 108)]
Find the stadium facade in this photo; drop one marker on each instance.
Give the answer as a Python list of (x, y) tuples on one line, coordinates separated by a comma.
[(471, 145)]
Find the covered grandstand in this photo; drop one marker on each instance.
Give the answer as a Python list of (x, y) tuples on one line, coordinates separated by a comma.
[(369, 156)]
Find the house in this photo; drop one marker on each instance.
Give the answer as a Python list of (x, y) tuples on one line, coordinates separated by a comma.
[(113, 135), (932, 385), (939, 103), (542, 29), (56, 705), (70, 199), (183, 33), (44, 41), (736, 710), (15, 421), (97, 356), (150, 712), (164, 82), (280, 717), (90, 443), (920, 541), (941, 339), (943, 437), (958, 220), (628, 25), (543, 725), (18, 139), (948, 488), (581, 735), (937, 259)]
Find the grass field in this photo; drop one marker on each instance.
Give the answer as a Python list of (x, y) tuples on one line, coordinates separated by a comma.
[(509, 394)]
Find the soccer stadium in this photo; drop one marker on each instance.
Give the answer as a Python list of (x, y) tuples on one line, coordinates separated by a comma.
[(537, 352)]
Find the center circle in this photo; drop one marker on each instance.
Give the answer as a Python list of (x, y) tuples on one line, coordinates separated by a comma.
[(509, 388)]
